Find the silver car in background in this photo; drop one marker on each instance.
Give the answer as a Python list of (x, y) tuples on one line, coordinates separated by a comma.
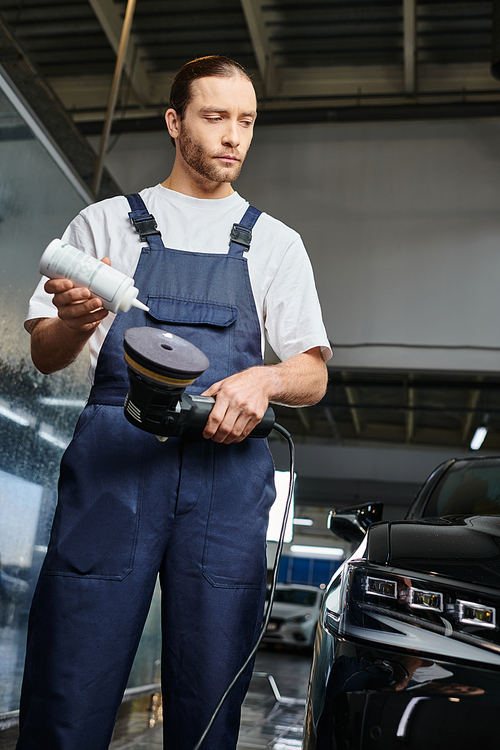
[(294, 615)]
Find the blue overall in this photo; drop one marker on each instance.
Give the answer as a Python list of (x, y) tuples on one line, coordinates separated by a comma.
[(130, 507)]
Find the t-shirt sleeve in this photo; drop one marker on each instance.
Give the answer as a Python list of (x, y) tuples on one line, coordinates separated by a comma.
[(292, 311)]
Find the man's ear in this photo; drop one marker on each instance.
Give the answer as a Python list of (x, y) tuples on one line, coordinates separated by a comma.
[(173, 122)]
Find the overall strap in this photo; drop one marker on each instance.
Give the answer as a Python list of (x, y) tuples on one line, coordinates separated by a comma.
[(144, 222), (241, 234)]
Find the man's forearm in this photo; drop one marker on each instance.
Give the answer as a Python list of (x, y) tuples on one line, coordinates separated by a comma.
[(54, 346), (242, 399), (299, 381)]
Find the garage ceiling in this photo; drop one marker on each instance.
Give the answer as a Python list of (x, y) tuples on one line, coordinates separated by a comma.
[(415, 409), (311, 61), (303, 55)]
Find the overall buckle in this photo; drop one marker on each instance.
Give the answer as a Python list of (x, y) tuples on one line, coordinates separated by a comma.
[(242, 235), (145, 226)]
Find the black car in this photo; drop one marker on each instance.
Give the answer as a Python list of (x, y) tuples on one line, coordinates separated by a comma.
[(407, 651)]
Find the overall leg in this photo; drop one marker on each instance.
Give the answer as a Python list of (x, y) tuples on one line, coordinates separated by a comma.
[(213, 580), (81, 645), (96, 584)]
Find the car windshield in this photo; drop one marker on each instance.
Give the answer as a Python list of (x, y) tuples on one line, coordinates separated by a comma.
[(467, 487), (295, 596)]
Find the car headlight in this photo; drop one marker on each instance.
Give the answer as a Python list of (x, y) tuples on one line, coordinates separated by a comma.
[(424, 613), (471, 613), (297, 620)]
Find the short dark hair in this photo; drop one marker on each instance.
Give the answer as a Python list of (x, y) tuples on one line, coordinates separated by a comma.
[(203, 67)]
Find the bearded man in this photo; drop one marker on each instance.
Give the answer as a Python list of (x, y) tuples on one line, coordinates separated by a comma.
[(193, 510)]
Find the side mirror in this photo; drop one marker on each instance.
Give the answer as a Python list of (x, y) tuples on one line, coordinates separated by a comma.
[(351, 523)]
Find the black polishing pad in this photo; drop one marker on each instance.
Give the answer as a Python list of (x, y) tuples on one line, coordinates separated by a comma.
[(163, 357)]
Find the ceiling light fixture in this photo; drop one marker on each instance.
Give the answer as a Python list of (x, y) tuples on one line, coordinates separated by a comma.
[(478, 438), (304, 549), (302, 522)]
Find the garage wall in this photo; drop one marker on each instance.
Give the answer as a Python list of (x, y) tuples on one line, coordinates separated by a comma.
[(402, 224)]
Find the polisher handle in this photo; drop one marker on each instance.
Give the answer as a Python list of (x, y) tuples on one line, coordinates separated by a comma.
[(195, 411)]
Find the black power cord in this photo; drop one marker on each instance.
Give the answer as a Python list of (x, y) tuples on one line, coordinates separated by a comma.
[(281, 430)]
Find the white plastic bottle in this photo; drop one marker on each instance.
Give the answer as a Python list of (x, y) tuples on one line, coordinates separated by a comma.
[(63, 261)]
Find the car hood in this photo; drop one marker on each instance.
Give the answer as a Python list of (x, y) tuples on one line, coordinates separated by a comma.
[(466, 548)]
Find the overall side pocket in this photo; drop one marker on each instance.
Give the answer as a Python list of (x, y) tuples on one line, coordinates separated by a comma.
[(97, 515), (235, 543)]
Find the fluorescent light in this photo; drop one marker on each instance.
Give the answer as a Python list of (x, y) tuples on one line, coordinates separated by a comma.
[(53, 439), (46, 432), (478, 438), (53, 401), (302, 522), (18, 416), (304, 549)]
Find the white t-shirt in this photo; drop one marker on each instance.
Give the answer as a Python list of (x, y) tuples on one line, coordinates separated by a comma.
[(280, 271)]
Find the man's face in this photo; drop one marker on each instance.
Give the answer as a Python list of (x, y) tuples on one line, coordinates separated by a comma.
[(217, 129)]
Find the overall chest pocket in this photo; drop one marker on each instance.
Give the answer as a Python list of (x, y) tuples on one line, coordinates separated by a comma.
[(208, 325)]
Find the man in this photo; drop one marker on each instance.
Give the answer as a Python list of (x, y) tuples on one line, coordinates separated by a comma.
[(193, 510)]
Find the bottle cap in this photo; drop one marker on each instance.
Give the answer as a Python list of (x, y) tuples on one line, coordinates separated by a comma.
[(140, 305), (129, 299)]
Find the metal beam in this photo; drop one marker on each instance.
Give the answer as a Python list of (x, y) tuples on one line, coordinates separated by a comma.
[(304, 419), (44, 106), (402, 408), (113, 95), (410, 45), (410, 414), (331, 421), (261, 44), (472, 409), (351, 400), (348, 86), (111, 22), (405, 113)]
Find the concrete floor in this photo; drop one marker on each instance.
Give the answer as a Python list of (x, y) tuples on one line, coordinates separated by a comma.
[(269, 719), (267, 722)]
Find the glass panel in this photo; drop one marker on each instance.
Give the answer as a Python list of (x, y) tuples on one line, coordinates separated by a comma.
[(37, 413), (467, 488)]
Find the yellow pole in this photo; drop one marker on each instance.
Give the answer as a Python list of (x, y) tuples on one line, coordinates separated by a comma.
[(113, 95)]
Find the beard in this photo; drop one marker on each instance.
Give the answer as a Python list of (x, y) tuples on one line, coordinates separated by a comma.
[(196, 156)]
